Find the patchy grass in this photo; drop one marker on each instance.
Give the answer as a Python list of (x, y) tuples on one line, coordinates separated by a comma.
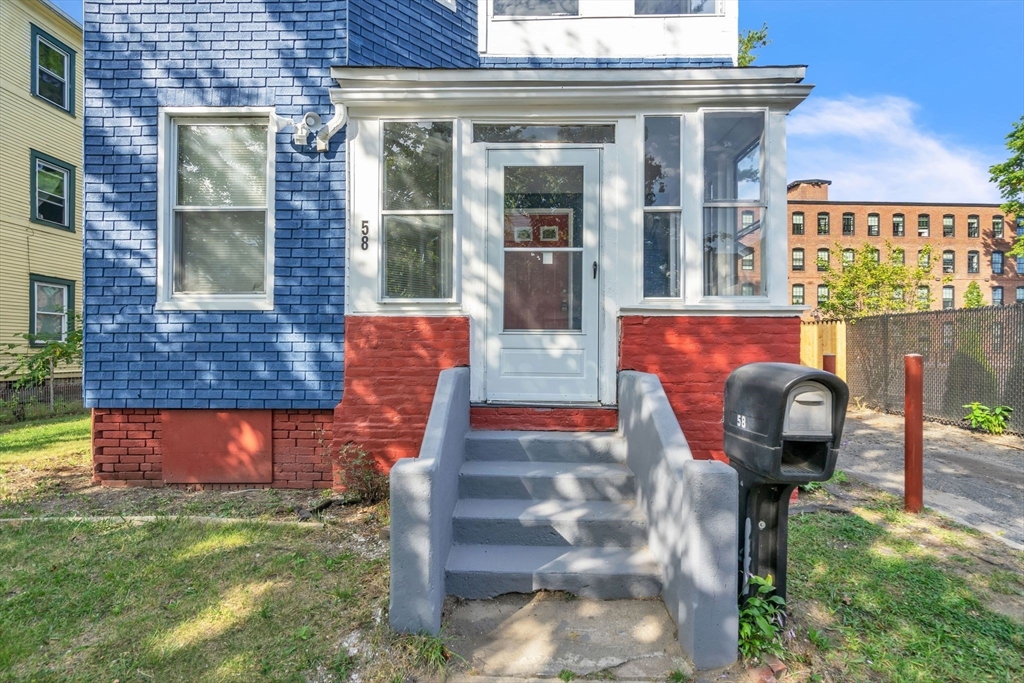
[(176, 600), (878, 595)]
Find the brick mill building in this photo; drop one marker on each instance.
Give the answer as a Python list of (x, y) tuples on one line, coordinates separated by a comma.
[(969, 243)]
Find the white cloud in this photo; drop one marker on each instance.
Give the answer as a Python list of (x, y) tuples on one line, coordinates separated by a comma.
[(872, 149)]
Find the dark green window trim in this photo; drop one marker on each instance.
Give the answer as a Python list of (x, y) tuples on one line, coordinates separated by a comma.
[(69, 200), (69, 313), (38, 33)]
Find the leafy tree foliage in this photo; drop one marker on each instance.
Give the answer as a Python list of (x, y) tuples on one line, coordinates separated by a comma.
[(35, 366), (751, 40), (870, 284), (1009, 176), (972, 297)]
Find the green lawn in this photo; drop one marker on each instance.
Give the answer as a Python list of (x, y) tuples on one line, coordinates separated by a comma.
[(183, 601), (890, 596), (38, 442)]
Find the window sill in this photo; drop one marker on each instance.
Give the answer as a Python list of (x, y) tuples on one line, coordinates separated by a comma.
[(219, 304), (56, 106), (55, 226)]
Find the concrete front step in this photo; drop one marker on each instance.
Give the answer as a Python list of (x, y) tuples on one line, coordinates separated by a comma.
[(484, 571), (579, 447), (549, 523), (546, 481)]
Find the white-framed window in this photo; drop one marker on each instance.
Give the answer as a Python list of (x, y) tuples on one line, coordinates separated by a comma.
[(735, 204), (662, 206), (215, 231), (798, 295), (417, 213), (51, 301), (672, 7), (52, 185)]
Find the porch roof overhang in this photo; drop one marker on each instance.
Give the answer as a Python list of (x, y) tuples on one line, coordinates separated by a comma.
[(541, 92)]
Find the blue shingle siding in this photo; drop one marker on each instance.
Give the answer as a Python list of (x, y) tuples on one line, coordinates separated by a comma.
[(412, 33), (141, 55)]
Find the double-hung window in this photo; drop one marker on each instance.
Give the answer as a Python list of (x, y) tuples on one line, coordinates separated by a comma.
[(873, 224), (536, 8), (848, 225), (899, 222), (642, 7), (948, 261), (798, 259), (973, 226), (948, 297), (823, 259), (53, 71), (51, 301), (734, 202), (418, 217), (798, 223), (924, 225), (1020, 295), (822, 294), (997, 262), (948, 226), (216, 237), (662, 206), (973, 262), (798, 295), (53, 191), (997, 296), (997, 227), (1020, 265), (823, 226)]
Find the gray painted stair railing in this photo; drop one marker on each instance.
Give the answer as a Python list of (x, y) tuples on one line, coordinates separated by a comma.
[(623, 515)]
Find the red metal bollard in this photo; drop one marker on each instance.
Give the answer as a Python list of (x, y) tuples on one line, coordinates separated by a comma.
[(913, 434), (828, 363)]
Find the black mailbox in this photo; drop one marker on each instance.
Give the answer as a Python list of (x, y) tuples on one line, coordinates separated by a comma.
[(783, 424)]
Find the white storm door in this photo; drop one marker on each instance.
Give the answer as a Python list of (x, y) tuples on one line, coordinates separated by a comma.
[(543, 289)]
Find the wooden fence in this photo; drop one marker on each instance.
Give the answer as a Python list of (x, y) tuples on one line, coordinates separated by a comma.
[(819, 338)]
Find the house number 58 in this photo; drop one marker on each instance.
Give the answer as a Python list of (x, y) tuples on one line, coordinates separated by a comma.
[(364, 240)]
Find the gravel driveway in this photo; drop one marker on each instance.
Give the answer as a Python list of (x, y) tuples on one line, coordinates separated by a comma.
[(976, 479)]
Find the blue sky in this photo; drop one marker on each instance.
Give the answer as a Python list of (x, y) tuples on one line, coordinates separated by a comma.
[(914, 98)]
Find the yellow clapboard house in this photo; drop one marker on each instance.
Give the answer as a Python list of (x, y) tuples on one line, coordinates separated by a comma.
[(41, 112)]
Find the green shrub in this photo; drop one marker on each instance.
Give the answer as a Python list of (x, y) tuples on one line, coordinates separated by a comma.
[(991, 420), (362, 481)]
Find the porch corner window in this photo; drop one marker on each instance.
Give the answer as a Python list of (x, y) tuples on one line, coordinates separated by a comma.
[(418, 218), (734, 203), (220, 209), (662, 206)]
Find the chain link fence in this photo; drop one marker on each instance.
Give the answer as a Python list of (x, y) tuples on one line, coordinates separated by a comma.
[(969, 355), (59, 396)]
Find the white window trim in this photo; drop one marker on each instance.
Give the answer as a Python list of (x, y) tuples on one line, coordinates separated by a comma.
[(450, 4), (40, 165), (36, 312), (39, 65), (166, 299)]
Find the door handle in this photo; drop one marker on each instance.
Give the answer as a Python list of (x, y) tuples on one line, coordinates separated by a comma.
[(595, 270)]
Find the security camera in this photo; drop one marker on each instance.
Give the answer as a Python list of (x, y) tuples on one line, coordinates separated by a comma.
[(312, 120)]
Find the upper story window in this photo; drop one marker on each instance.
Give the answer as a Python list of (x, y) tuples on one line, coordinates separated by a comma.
[(822, 294), (734, 201), (662, 206), (997, 227), (674, 6), (924, 225), (798, 295), (899, 223), (536, 8), (997, 262), (53, 70), (824, 256), (823, 223), (216, 234), (873, 224), (53, 191), (924, 259), (847, 224), (798, 223), (899, 257), (948, 297), (973, 226), (798, 259), (948, 226), (973, 262), (948, 261), (1020, 265), (1020, 295), (417, 224), (612, 29), (997, 296)]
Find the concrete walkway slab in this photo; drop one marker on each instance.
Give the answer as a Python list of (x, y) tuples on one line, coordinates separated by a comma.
[(539, 635)]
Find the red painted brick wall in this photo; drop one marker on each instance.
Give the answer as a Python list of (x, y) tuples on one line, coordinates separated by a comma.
[(126, 449), (693, 356), (544, 419), (391, 369)]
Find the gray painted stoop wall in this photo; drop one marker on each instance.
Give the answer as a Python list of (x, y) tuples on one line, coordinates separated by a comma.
[(604, 515)]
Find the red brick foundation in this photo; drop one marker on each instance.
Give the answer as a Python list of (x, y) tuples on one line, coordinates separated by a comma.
[(544, 419), (126, 449), (693, 356), (391, 369)]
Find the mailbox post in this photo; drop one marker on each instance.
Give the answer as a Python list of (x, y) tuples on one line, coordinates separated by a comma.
[(783, 424)]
